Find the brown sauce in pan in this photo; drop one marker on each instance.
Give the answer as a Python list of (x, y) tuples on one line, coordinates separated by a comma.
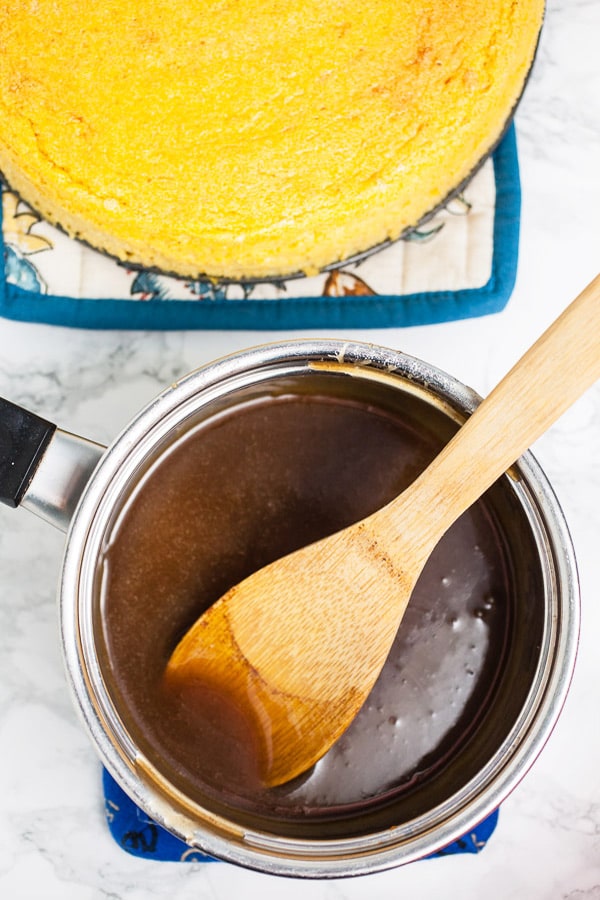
[(244, 489)]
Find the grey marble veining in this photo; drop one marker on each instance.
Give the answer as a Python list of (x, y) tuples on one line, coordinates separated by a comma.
[(53, 839)]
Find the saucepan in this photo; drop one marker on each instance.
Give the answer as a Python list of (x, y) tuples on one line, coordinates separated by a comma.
[(386, 807)]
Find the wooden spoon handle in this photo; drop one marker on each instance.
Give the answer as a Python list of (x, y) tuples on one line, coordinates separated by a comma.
[(552, 374)]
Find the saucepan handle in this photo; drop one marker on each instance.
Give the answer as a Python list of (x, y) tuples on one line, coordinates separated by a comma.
[(43, 468), (23, 439)]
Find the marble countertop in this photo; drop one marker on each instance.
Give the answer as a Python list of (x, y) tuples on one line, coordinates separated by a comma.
[(53, 839)]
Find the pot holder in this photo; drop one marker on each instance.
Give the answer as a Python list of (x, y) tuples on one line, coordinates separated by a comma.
[(138, 835), (462, 263)]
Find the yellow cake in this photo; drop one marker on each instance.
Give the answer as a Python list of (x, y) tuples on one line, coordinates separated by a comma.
[(250, 138)]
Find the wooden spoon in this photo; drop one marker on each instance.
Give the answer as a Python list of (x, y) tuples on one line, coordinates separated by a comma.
[(300, 643)]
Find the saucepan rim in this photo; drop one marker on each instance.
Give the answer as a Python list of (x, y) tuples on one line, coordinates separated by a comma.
[(229, 840)]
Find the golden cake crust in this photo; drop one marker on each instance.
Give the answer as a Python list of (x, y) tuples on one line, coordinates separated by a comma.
[(252, 138)]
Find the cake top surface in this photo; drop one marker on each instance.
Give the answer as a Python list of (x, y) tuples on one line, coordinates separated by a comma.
[(246, 138)]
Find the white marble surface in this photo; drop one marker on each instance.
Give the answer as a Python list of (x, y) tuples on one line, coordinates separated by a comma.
[(53, 840)]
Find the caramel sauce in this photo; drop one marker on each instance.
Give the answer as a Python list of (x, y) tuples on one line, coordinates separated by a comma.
[(241, 490)]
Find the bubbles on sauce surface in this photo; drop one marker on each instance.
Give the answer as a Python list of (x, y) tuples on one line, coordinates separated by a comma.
[(425, 688)]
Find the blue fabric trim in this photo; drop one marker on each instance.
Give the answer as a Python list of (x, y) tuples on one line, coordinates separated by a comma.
[(292, 313), (138, 835)]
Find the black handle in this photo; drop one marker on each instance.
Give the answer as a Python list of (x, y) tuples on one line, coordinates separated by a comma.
[(23, 439)]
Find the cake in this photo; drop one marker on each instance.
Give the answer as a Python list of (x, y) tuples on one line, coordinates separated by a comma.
[(248, 139)]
